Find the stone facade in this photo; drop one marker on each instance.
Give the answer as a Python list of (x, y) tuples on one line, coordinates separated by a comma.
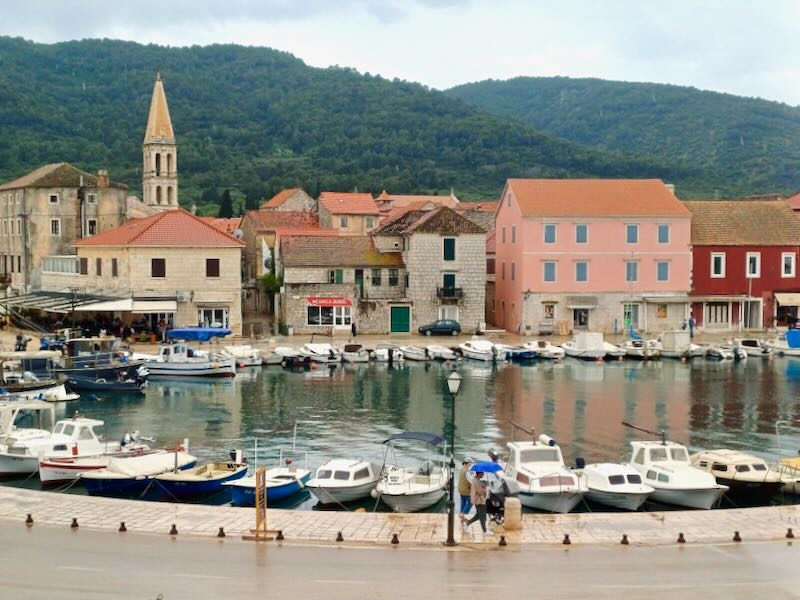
[(347, 224), (292, 200)]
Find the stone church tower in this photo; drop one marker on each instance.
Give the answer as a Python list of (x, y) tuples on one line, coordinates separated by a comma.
[(160, 154)]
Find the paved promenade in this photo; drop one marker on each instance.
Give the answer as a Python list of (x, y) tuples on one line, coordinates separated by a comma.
[(657, 528)]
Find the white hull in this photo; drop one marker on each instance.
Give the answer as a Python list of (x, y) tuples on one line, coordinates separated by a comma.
[(212, 368), (441, 353), (556, 502), (335, 495), (11, 465), (406, 503), (56, 393), (702, 498), (411, 353), (272, 358), (382, 355), (355, 357), (625, 501), (585, 354)]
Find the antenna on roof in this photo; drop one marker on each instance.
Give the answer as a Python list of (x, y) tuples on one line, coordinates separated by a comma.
[(238, 234)]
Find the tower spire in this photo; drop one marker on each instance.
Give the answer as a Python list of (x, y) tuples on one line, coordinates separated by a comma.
[(159, 154), (159, 124)]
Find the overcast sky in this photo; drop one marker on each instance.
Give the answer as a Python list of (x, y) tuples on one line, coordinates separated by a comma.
[(745, 47)]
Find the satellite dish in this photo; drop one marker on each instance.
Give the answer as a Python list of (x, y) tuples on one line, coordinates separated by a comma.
[(238, 234)]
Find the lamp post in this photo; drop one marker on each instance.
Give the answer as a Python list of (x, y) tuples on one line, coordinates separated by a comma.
[(453, 385)]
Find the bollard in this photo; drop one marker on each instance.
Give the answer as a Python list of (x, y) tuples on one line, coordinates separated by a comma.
[(29, 521), (339, 537), (74, 523), (221, 533), (279, 537), (122, 528), (737, 537), (789, 533), (681, 539), (513, 515), (624, 540), (502, 541), (566, 539), (173, 530), (395, 539)]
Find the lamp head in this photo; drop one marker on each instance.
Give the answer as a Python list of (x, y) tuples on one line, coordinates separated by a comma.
[(453, 383)]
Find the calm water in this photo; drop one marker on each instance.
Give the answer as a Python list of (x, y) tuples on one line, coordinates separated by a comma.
[(348, 410)]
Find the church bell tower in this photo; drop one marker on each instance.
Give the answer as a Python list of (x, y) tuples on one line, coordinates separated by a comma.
[(160, 154)]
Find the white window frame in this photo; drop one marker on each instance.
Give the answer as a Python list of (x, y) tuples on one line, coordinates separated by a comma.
[(627, 229), (57, 222), (721, 274), (635, 264), (793, 270), (583, 262), (57, 198), (555, 233), (658, 274), (201, 310), (586, 227), (544, 271), (747, 273), (658, 233), (446, 311)]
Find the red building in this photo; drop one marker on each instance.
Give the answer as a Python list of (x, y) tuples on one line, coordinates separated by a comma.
[(744, 272)]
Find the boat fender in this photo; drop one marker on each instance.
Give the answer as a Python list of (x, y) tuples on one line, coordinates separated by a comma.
[(547, 440), (215, 366), (374, 493), (75, 450)]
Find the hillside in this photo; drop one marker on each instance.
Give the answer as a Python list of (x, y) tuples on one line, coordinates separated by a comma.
[(256, 120), (741, 145)]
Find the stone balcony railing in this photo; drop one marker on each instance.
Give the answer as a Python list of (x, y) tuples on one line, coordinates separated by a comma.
[(449, 293)]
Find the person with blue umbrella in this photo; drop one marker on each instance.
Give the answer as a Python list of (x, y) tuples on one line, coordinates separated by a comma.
[(479, 490)]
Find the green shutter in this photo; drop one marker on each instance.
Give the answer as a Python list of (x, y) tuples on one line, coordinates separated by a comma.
[(339, 276), (449, 249)]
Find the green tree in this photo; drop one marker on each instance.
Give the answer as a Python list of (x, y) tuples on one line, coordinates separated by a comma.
[(226, 205), (271, 283)]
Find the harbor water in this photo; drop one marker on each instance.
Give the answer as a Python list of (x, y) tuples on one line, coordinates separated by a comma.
[(348, 410)]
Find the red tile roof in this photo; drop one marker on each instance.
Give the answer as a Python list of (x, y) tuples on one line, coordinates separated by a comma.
[(339, 251), (280, 198), (794, 201), (407, 199), (743, 223), (223, 224), (479, 205), (439, 220), (491, 242), (167, 229), (339, 203), (267, 220), (595, 198)]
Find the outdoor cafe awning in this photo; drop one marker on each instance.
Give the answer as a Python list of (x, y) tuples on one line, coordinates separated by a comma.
[(788, 298), (154, 306), (56, 302)]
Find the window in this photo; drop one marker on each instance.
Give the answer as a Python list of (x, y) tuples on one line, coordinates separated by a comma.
[(19, 264), (581, 234), (503, 235), (362, 474), (631, 271), (376, 278), (550, 271), (98, 266), (513, 234), (212, 267), (370, 222), (158, 267), (503, 270), (632, 234), (490, 266), (581, 271), (341, 316), (212, 317), (639, 457), (448, 281), (508, 200), (753, 264), (550, 233), (405, 279), (549, 311), (717, 264), (335, 276), (343, 222), (91, 227), (55, 226), (513, 270), (5, 226), (788, 260), (663, 234), (114, 269), (53, 198), (319, 315), (91, 198), (449, 248), (661, 311), (394, 276), (662, 270), (84, 266), (616, 479), (19, 226), (637, 479), (630, 315)]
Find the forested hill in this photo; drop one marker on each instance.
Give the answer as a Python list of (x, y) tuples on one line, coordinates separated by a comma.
[(255, 120), (741, 145)]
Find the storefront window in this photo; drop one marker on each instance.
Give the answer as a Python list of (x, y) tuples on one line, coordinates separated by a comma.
[(212, 317), (320, 315)]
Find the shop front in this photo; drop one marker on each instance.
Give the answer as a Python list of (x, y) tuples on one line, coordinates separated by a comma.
[(329, 311)]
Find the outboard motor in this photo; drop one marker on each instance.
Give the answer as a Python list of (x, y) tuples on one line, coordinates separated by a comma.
[(493, 455), (547, 440), (580, 462)]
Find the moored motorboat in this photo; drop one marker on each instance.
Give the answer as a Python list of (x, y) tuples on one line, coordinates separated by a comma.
[(179, 360), (641, 349), (81, 384), (291, 357), (58, 470), (415, 353), (438, 352), (202, 480), (281, 483), (355, 353), (753, 347), (517, 353), (746, 475), (342, 480), (787, 344), (545, 349), (132, 475), (483, 350), (244, 355), (677, 344), (614, 484), (320, 352), (586, 345), (271, 358), (718, 352), (54, 392)]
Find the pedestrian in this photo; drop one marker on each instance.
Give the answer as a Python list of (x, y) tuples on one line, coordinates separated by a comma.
[(162, 329), (464, 481), (479, 489), (353, 329), (692, 324)]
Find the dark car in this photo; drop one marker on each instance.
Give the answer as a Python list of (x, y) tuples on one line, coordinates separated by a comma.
[(441, 327)]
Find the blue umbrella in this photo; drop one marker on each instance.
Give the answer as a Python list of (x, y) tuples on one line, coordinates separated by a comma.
[(485, 467)]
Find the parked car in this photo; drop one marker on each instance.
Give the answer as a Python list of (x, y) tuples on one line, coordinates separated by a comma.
[(441, 327)]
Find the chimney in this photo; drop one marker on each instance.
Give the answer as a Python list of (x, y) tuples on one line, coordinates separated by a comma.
[(670, 187), (102, 178), (194, 208)]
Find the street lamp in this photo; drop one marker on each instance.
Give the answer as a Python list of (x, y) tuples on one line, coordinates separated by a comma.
[(453, 385)]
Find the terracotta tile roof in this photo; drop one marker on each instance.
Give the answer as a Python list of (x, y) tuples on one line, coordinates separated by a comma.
[(794, 201), (441, 220), (595, 198), (491, 242), (267, 220), (284, 232), (338, 251), (280, 198), (223, 224), (743, 223), (167, 229), (479, 205), (407, 199), (56, 175), (339, 203)]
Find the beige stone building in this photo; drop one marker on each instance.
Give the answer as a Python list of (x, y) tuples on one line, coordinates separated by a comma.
[(290, 200), (350, 213), (45, 211)]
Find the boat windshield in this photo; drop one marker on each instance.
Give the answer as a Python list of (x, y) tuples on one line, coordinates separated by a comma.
[(679, 454), (759, 467), (539, 455), (616, 479), (658, 454), (634, 479), (342, 475), (323, 474), (742, 468)]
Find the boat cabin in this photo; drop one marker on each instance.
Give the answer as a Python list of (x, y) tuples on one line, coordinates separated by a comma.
[(528, 460), (179, 352), (25, 413), (659, 458), (731, 464), (345, 472), (85, 434)]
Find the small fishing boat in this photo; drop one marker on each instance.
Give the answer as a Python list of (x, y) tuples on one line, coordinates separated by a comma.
[(678, 344), (517, 353), (96, 357), (133, 475), (270, 358), (412, 488), (753, 347), (59, 470), (483, 350), (545, 482), (641, 349), (320, 353), (179, 360), (342, 480), (203, 480), (388, 353), (244, 355), (545, 349), (281, 483), (415, 353), (788, 467), (586, 345), (614, 484), (746, 475), (81, 384), (355, 353), (438, 352), (787, 344), (54, 392), (291, 357), (718, 352)]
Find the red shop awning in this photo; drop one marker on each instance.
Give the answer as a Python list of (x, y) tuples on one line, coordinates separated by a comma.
[(329, 302)]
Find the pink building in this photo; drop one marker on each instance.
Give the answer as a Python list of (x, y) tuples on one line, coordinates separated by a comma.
[(591, 254)]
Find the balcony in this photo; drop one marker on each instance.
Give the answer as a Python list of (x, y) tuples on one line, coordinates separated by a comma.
[(449, 293)]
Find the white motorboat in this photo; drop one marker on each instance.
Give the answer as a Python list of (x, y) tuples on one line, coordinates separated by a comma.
[(20, 415), (665, 466), (321, 353), (342, 480), (281, 483), (179, 360), (57, 470), (677, 344), (516, 353), (355, 353), (545, 483), (746, 475), (586, 345), (409, 489), (415, 353), (545, 349), (614, 351), (642, 349), (615, 484), (438, 352), (388, 353), (753, 347), (482, 350), (717, 352), (55, 392), (780, 346), (244, 354), (270, 358)]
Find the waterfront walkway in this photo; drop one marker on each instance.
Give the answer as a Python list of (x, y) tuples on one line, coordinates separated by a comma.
[(654, 528)]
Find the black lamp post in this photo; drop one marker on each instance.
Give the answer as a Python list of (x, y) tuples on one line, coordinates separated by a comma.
[(453, 385)]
